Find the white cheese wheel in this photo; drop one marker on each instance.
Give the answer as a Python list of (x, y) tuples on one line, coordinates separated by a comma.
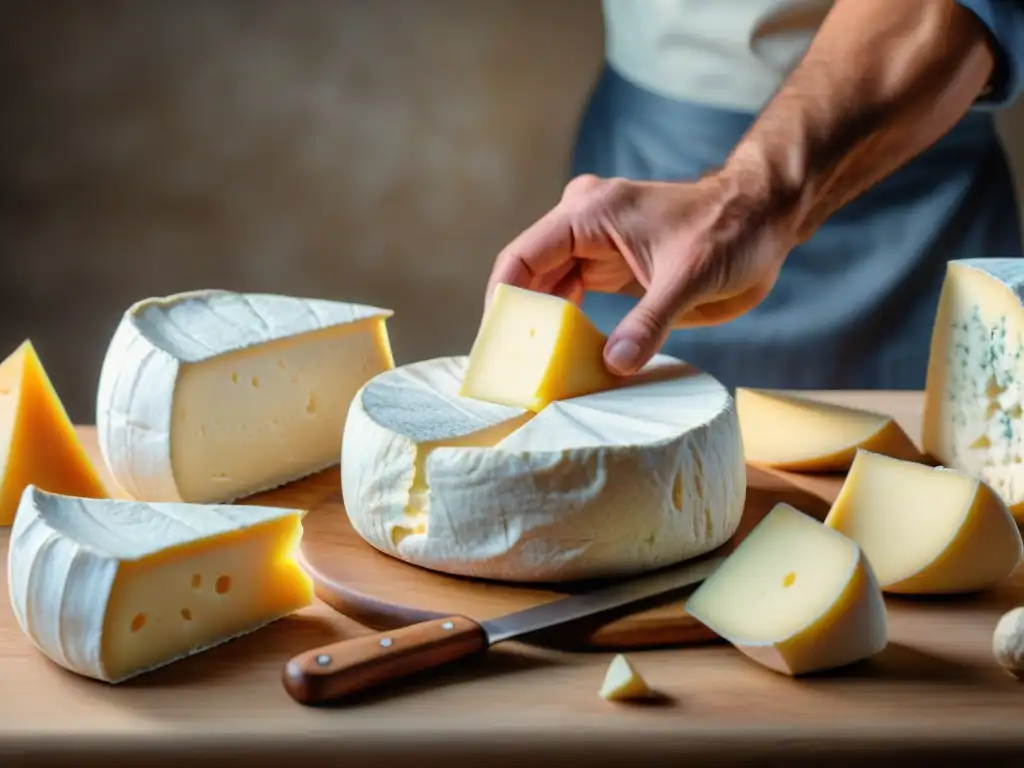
[(613, 483), (210, 396), (110, 588)]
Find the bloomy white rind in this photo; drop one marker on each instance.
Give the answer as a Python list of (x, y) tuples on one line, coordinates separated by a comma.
[(524, 515), (133, 414), (137, 381), (59, 587)]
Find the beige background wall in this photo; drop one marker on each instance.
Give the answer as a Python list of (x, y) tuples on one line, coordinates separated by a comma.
[(373, 150)]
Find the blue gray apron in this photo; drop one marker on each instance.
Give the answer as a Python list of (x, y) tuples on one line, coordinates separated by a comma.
[(853, 307)]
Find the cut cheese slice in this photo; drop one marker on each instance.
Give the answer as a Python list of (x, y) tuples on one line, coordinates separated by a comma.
[(211, 396), (622, 682), (38, 444), (112, 588), (533, 349), (975, 387), (617, 482), (795, 596), (924, 529), (797, 433)]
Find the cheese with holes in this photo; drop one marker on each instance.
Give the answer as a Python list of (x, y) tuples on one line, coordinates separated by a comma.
[(533, 349), (795, 596), (975, 386), (617, 482), (622, 682), (210, 396), (112, 588), (924, 529), (801, 434), (38, 443)]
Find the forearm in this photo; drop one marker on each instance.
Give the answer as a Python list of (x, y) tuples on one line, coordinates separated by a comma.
[(880, 83)]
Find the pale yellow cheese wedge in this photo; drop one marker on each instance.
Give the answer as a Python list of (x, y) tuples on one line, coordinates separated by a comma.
[(800, 434), (924, 529), (111, 588), (795, 596), (533, 349), (622, 682), (38, 443)]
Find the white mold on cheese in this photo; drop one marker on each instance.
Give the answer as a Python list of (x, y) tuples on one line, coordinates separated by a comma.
[(613, 483), (209, 396)]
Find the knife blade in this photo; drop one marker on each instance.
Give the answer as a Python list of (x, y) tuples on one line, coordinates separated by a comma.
[(350, 666)]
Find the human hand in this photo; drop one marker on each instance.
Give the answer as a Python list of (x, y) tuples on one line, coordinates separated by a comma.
[(698, 253)]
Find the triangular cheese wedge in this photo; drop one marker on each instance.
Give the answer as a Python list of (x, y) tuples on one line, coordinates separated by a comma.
[(533, 349), (211, 396), (800, 434), (795, 596), (111, 588), (622, 682), (38, 444), (926, 529)]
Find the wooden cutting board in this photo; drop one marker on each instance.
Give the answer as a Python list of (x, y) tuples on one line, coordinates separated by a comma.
[(383, 592)]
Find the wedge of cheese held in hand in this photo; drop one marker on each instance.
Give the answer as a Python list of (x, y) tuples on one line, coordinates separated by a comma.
[(533, 349), (38, 444), (795, 596), (210, 396), (800, 434), (112, 588), (926, 530)]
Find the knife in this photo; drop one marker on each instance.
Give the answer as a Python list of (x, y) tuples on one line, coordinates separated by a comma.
[(351, 666)]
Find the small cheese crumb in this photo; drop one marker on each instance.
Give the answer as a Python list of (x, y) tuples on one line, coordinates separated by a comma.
[(622, 682)]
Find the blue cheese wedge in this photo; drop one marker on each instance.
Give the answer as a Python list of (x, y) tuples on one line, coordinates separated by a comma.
[(975, 386)]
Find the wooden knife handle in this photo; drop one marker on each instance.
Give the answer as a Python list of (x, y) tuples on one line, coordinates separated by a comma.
[(337, 670)]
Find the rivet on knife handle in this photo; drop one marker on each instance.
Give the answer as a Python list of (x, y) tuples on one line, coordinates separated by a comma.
[(347, 667)]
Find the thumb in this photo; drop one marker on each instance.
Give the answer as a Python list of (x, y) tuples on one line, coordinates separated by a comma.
[(641, 333)]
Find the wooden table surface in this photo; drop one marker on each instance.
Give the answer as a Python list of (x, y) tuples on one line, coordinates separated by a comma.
[(934, 693)]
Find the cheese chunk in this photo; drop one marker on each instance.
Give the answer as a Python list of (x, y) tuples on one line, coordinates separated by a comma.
[(793, 432), (211, 396), (924, 529), (112, 588), (617, 482), (533, 349), (975, 387), (795, 596), (622, 682), (38, 444), (1008, 642)]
